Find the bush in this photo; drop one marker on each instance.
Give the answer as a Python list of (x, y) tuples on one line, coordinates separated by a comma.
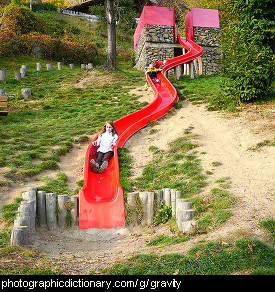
[(21, 31), (53, 49), (247, 47)]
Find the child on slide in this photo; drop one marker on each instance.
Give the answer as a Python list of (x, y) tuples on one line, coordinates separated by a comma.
[(153, 72), (106, 141)]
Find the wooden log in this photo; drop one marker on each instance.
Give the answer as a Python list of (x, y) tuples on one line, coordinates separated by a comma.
[(166, 197), (23, 72), (188, 215), (25, 67), (150, 208), (59, 65), (187, 226), (41, 209), (143, 198), (62, 212), (38, 66), (23, 218), (133, 214), (158, 198), (174, 195), (75, 210), (19, 236), (200, 65), (26, 92), (131, 199), (51, 210), (27, 215), (3, 75), (179, 211), (17, 76), (191, 70), (49, 67), (90, 66), (147, 202)]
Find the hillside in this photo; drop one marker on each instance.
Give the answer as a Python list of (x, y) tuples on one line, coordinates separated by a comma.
[(48, 134)]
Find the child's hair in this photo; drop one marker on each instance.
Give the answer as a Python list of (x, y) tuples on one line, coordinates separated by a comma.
[(104, 128)]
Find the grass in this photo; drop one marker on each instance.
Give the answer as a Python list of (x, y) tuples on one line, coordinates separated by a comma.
[(178, 168), (212, 88), (37, 131), (246, 256)]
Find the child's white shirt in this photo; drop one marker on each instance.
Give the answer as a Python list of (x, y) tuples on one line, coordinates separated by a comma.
[(105, 140)]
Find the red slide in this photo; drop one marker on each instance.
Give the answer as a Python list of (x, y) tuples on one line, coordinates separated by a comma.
[(101, 200)]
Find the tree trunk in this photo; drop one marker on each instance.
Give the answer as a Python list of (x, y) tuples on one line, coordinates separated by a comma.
[(111, 27)]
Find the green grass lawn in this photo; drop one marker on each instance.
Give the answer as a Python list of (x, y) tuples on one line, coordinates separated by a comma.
[(38, 130)]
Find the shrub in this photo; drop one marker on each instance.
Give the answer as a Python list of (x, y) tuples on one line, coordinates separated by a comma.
[(248, 50)]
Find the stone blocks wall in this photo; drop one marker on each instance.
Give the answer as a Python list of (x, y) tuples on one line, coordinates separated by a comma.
[(207, 38), (155, 43)]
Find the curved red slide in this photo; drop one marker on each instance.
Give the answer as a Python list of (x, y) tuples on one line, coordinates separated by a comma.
[(101, 200)]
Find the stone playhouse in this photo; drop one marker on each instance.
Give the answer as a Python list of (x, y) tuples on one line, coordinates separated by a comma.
[(155, 38)]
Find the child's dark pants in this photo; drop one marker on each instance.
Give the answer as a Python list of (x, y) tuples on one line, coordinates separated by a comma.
[(100, 157)]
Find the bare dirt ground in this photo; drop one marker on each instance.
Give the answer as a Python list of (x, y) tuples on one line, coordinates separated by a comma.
[(224, 138)]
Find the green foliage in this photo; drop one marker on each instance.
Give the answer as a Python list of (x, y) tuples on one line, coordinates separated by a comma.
[(20, 20), (167, 240), (248, 50), (22, 30), (163, 214)]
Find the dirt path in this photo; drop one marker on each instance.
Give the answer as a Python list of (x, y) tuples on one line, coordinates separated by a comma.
[(223, 138)]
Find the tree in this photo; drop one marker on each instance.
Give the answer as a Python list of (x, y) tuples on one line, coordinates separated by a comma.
[(111, 29), (112, 15)]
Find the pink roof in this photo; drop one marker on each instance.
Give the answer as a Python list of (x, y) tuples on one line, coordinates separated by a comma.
[(205, 17), (154, 15)]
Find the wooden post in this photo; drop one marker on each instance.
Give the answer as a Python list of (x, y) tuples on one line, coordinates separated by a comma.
[(62, 212), (166, 197), (195, 66), (147, 202), (174, 195), (75, 210), (38, 66), (200, 65), (23, 72), (17, 76), (51, 209), (191, 70), (59, 65), (25, 67), (41, 209), (49, 67), (3, 75), (19, 236), (26, 92)]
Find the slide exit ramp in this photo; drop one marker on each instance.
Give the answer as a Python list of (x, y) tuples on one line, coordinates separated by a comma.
[(101, 200)]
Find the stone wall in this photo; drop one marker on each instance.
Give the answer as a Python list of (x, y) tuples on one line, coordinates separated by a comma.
[(156, 42), (207, 38)]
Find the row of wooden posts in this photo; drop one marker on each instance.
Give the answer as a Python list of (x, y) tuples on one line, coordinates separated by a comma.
[(26, 92), (191, 68), (39, 209)]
